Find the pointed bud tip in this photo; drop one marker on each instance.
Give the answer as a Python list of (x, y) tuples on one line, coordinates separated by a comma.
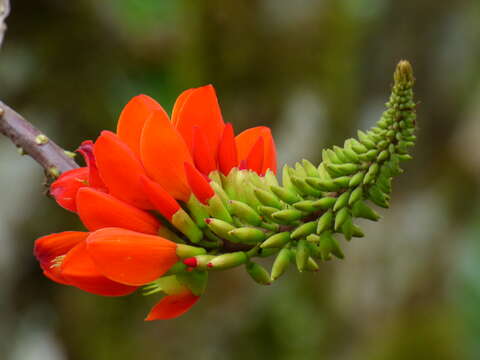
[(403, 72), (191, 262), (210, 265), (208, 220)]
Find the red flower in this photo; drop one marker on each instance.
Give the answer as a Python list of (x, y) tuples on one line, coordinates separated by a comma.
[(149, 164)]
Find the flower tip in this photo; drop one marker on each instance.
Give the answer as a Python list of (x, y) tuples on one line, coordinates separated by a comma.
[(208, 220), (210, 265), (191, 262)]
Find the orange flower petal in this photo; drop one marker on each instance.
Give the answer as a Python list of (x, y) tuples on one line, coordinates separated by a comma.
[(132, 120), (50, 247), (129, 257), (163, 153), (255, 157), (227, 151), (162, 201), (179, 104), (120, 169), (98, 210), (65, 188), (172, 306), (94, 180), (247, 139), (80, 271), (202, 156), (198, 183), (199, 107)]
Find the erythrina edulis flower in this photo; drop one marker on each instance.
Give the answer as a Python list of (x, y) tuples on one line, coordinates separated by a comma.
[(147, 166), (165, 201)]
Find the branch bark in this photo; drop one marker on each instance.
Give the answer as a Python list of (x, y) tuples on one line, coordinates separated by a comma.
[(34, 143)]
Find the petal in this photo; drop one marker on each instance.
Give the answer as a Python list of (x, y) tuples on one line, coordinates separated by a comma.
[(199, 107), (203, 158), (65, 188), (179, 104), (198, 183), (98, 210), (94, 180), (162, 201), (163, 153), (120, 169), (48, 248), (172, 306), (255, 157), (227, 151), (247, 139), (129, 257), (132, 119), (80, 271)]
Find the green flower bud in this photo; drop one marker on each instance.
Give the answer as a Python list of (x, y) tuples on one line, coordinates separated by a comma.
[(258, 273), (355, 195), (303, 187), (341, 201), (342, 169), (310, 169), (245, 212), (383, 156), (311, 265), (267, 198), (247, 235), (220, 228), (356, 179), (325, 222), (302, 254), (218, 210), (286, 195), (370, 175), (341, 182), (378, 197), (276, 241), (304, 230), (341, 217), (306, 205), (358, 147), (198, 211), (340, 154), (227, 261), (281, 263), (287, 216), (325, 203), (365, 140), (196, 281), (347, 228), (183, 222), (329, 245), (360, 209), (266, 211), (185, 251)]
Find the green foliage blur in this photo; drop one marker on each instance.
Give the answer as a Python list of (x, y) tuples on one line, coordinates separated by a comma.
[(313, 70)]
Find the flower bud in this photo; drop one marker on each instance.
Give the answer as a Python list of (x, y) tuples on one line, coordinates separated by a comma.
[(217, 209), (227, 261), (245, 212), (355, 195), (183, 222), (267, 198), (281, 263), (276, 241), (304, 230), (340, 218), (258, 273), (186, 251), (287, 216), (325, 203), (286, 195), (360, 209), (341, 201), (247, 235), (302, 254), (220, 228), (325, 222)]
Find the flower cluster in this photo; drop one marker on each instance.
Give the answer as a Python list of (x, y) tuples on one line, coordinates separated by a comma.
[(150, 164), (166, 201)]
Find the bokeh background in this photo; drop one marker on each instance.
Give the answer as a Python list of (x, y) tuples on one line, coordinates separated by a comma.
[(313, 70)]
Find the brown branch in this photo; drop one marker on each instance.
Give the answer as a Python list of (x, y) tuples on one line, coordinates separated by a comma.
[(31, 141)]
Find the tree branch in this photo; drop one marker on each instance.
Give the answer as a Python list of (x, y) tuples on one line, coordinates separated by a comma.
[(32, 142)]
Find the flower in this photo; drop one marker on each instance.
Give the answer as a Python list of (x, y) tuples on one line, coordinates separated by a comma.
[(146, 167)]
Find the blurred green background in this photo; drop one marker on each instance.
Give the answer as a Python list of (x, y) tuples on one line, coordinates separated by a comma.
[(313, 70)]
